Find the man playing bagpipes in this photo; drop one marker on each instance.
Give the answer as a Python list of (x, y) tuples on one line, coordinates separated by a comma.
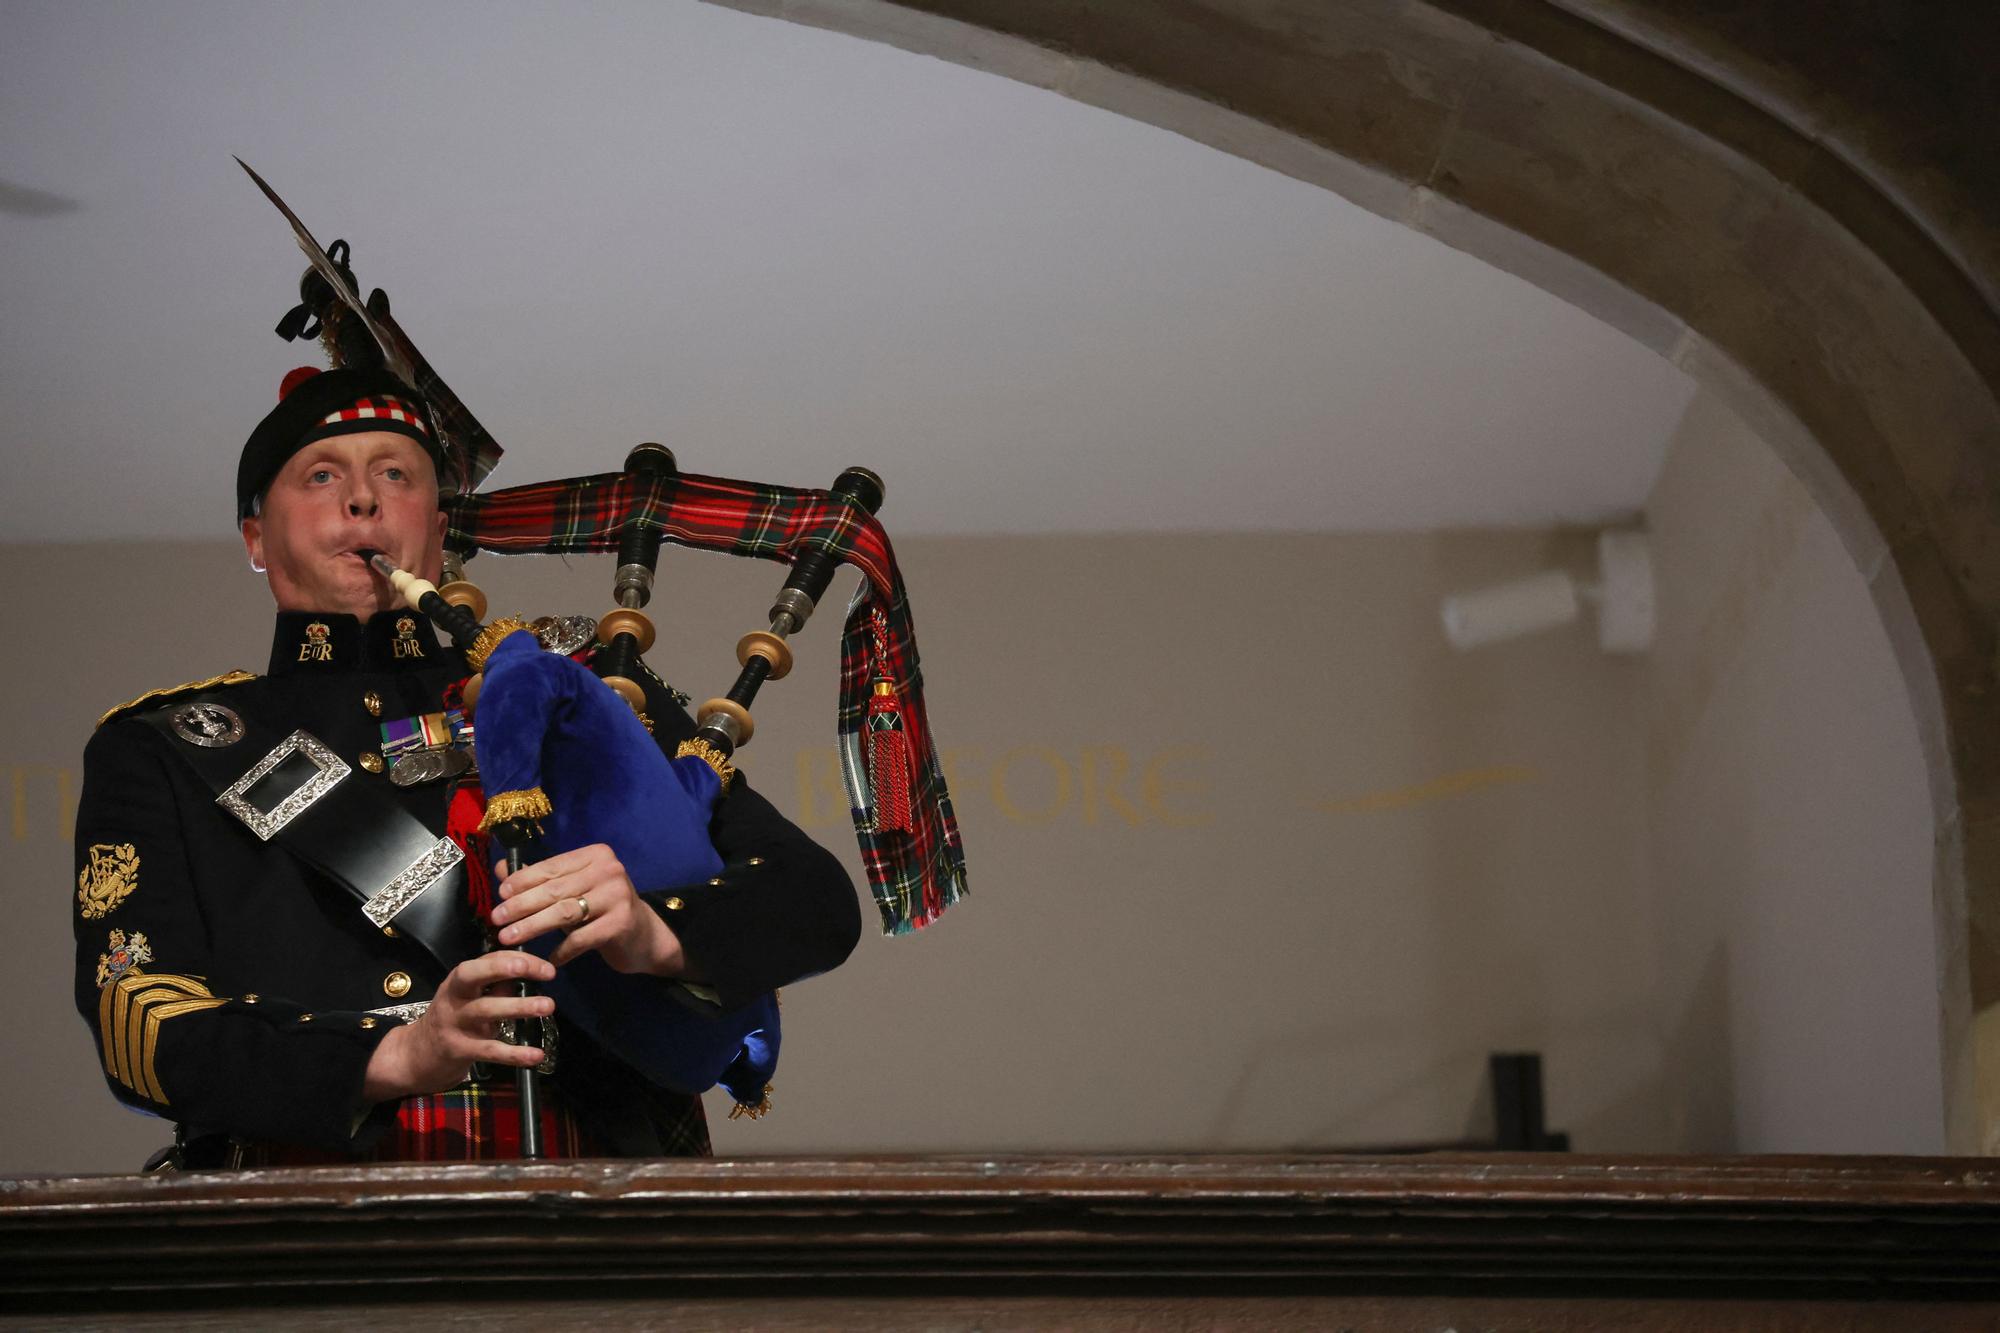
[(292, 938)]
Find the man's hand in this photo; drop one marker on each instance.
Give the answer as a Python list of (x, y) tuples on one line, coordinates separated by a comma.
[(587, 894), (436, 1052)]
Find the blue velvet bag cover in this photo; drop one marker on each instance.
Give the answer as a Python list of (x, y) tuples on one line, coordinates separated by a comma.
[(546, 722)]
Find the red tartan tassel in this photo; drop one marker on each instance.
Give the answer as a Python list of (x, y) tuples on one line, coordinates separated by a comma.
[(889, 761)]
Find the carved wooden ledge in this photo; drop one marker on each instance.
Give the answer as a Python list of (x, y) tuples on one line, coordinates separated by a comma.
[(1878, 1231)]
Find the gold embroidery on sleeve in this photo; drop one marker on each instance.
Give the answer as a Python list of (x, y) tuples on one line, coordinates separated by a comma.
[(123, 956), (130, 1012), (108, 879)]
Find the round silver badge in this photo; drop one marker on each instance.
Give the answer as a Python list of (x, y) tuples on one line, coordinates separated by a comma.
[(411, 769), (564, 634), (210, 726), (422, 766)]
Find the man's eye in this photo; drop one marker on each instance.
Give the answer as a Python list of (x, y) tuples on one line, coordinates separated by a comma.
[(321, 474), (394, 473)]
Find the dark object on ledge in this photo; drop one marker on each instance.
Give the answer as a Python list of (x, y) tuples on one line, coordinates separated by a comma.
[(1518, 1124), (1517, 1105)]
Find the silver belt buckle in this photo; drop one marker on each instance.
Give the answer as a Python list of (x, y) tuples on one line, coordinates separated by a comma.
[(266, 823), (382, 905)]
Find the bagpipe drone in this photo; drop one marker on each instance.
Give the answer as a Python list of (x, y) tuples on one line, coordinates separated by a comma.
[(564, 753)]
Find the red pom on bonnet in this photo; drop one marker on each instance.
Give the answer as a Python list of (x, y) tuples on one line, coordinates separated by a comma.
[(293, 379)]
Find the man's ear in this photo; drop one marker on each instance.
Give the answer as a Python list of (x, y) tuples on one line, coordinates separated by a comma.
[(253, 543)]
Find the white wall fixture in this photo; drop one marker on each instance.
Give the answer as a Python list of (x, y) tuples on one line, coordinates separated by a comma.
[(1622, 596)]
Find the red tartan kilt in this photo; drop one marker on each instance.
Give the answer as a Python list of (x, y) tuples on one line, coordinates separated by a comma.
[(479, 1123)]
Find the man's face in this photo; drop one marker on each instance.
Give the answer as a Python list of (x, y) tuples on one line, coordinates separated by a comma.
[(370, 491)]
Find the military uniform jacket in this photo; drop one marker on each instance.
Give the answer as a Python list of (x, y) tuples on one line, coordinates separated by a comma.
[(233, 987)]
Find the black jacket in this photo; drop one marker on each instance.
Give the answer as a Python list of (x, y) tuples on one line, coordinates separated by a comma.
[(230, 985)]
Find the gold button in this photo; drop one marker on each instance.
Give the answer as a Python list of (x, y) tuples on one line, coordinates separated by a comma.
[(715, 883), (367, 1023), (251, 998), (373, 703), (392, 932), (371, 761), (305, 1018), (675, 904), (756, 860), (396, 985)]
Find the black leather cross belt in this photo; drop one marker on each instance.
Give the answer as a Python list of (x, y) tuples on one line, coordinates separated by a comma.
[(293, 791)]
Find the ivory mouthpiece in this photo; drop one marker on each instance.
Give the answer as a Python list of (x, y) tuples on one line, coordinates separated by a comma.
[(412, 588)]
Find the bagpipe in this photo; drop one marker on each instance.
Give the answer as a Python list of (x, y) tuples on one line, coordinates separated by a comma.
[(564, 750)]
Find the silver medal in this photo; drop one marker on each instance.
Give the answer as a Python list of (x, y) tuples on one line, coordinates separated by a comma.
[(429, 766), (564, 634), (411, 769)]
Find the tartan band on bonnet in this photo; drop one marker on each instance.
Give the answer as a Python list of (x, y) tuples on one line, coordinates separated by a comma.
[(914, 872), (379, 413)]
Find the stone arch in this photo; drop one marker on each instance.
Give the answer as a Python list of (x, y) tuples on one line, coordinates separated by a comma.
[(1725, 208)]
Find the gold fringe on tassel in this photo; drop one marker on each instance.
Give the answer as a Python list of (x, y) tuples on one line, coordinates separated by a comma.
[(709, 755), (482, 647), (745, 1111), (529, 805)]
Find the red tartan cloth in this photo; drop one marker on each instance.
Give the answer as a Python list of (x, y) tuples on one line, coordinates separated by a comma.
[(479, 1123), (915, 872)]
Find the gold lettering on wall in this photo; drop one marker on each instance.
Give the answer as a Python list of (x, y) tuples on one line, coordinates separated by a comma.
[(1052, 793), (1156, 788), (43, 803), (957, 762), (1451, 784), (1040, 784), (1100, 771)]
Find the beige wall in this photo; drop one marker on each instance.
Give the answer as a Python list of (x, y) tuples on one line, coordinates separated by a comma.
[(1257, 862), (1790, 843)]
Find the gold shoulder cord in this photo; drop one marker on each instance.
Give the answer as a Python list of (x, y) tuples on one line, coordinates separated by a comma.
[(192, 687)]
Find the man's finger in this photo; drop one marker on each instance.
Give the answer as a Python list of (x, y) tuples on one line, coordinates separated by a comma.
[(531, 901), (500, 1053), (583, 939), (554, 893), (564, 913), (470, 978), (562, 863), (492, 1008)]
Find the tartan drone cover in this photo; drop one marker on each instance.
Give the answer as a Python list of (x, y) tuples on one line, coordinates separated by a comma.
[(914, 872)]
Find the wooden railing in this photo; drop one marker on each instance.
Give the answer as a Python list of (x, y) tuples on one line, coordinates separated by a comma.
[(1506, 1240)]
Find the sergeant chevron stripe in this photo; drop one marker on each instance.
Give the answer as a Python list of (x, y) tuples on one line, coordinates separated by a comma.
[(129, 1014)]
